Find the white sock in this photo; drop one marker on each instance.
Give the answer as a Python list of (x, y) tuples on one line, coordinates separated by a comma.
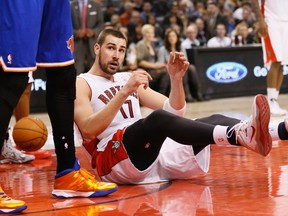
[(219, 135), (277, 94), (273, 130), (272, 93)]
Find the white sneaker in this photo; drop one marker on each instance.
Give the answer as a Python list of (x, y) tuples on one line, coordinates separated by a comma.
[(254, 133), (275, 108), (10, 154)]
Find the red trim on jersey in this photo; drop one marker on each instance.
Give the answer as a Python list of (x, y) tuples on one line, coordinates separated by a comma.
[(270, 56), (113, 153), (91, 148), (269, 51)]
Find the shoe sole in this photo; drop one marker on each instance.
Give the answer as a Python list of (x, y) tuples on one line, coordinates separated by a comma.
[(12, 211), (74, 194), (278, 115), (11, 161), (265, 144)]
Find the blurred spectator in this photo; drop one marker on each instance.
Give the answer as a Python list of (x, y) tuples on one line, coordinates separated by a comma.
[(214, 17), (230, 21), (134, 21), (172, 18), (191, 76), (121, 6), (130, 62), (202, 33), (185, 7), (159, 32), (245, 13), (137, 36), (138, 5), (160, 9), (115, 21), (220, 5), (172, 43), (191, 37), (256, 33), (147, 60), (87, 21), (242, 35), (220, 40), (231, 5), (125, 17), (110, 10), (146, 11), (199, 8)]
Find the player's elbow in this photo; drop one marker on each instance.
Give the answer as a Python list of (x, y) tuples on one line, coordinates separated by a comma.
[(88, 134)]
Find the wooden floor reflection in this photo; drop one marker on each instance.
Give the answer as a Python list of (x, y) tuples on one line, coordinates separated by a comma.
[(239, 183)]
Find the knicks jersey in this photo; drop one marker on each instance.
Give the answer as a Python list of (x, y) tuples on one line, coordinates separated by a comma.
[(35, 33), (103, 90)]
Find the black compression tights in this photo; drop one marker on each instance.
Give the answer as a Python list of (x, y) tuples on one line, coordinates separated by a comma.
[(159, 125), (60, 97), (12, 86)]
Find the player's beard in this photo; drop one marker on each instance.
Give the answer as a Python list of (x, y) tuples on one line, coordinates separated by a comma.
[(104, 66)]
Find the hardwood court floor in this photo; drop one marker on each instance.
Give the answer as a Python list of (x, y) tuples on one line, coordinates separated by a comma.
[(239, 181)]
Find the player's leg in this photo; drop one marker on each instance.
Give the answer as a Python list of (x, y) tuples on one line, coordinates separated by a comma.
[(150, 133), (22, 108), (12, 86), (60, 95), (275, 52), (70, 180), (274, 83)]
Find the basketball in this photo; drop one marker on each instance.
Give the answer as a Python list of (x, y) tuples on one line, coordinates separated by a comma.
[(30, 133)]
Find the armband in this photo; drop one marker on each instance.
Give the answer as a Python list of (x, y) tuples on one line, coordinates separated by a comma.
[(167, 107)]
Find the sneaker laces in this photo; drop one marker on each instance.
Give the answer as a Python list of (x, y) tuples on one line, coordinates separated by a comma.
[(237, 128), (92, 178), (4, 197), (86, 174)]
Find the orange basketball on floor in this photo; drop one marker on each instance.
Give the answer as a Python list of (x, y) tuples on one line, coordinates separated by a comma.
[(30, 133)]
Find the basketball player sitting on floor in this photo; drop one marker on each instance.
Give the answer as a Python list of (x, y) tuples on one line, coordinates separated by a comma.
[(128, 149)]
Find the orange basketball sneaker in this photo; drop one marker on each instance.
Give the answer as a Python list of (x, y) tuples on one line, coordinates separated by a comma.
[(78, 182), (9, 205)]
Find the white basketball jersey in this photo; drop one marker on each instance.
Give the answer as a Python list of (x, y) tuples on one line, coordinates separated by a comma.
[(276, 9), (103, 90)]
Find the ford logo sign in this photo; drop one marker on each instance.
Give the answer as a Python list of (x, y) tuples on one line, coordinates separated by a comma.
[(226, 72)]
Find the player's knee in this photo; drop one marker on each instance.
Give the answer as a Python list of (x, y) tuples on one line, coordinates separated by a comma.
[(159, 118), (12, 86)]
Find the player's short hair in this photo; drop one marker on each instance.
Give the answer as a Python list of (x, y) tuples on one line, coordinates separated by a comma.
[(109, 31)]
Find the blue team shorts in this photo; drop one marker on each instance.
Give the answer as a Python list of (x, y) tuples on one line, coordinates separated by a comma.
[(35, 33)]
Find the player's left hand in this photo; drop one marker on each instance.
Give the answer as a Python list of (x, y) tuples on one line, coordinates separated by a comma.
[(177, 65)]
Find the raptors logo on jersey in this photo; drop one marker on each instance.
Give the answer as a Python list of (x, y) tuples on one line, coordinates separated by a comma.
[(116, 145)]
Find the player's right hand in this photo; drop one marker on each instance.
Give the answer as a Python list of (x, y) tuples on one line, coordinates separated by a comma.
[(138, 78)]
